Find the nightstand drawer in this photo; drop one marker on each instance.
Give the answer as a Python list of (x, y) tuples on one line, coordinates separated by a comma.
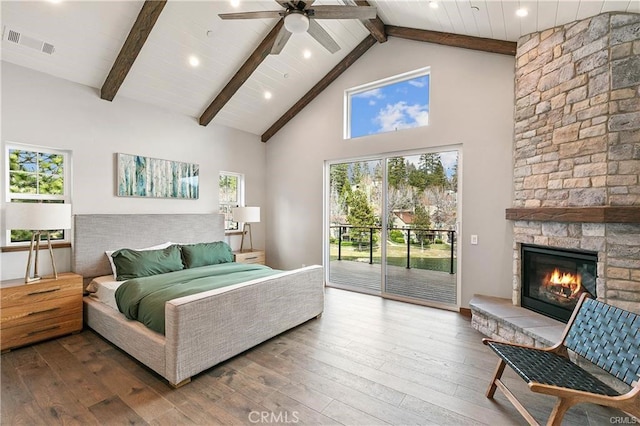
[(44, 311), (41, 310), (37, 292), (250, 257), (30, 333)]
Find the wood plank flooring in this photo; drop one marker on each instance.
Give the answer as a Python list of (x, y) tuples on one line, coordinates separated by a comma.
[(366, 361)]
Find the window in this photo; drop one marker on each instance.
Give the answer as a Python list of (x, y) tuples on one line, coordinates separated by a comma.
[(36, 175), (395, 103), (231, 187)]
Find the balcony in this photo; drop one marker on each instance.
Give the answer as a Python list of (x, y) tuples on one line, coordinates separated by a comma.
[(420, 263)]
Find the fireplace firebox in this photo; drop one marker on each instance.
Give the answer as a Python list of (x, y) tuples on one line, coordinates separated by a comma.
[(553, 279)]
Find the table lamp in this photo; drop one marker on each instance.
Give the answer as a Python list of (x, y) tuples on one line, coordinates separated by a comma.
[(246, 215), (41, 218)]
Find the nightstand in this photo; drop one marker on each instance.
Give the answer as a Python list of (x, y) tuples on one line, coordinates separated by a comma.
[(41, 310), (253, 256)]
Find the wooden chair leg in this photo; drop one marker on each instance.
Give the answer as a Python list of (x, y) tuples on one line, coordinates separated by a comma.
[(496, 376), (561, 407)]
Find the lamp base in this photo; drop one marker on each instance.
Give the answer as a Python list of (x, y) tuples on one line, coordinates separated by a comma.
[(35, 246), (244, 231)]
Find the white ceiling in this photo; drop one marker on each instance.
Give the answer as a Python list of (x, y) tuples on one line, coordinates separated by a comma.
[(88, 35)]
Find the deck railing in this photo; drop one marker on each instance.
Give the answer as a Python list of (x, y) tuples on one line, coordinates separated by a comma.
[(428, 232)]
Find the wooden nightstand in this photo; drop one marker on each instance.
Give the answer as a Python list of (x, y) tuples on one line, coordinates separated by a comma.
[(254, 256), (40, 310)]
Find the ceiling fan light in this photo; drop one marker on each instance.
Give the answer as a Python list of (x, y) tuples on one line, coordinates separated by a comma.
[(296, 22)]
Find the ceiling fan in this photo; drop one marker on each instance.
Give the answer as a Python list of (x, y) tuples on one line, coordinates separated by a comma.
[(299, 17)]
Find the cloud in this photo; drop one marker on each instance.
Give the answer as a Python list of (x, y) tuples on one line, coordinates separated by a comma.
[(372, 102), (418, 82), (402, 116), (373, 93)]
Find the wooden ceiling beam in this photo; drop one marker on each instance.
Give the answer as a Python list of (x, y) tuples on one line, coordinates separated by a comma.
[(131, 48), (335, 72), (375, 25), (455, 40), (242, 75)]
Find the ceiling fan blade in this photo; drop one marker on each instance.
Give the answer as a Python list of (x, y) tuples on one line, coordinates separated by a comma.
[(322, 36), (343, 12), (264, 14), (281, 39)]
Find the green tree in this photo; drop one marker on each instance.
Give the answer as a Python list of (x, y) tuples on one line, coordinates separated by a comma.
[(453, 182), (357, 173), (360, 215), (418, 180), (431, 166), (397, 172), (421, 223)]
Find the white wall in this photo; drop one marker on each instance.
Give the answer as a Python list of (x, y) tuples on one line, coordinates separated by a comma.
[(43, 110), (471, 104)]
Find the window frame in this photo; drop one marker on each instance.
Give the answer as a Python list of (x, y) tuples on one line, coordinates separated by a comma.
[(9, 196), (240, 200), (399, 78)]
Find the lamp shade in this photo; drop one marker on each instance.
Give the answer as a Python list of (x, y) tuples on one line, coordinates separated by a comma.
[(296, 22), (38, 216), (246, 214)]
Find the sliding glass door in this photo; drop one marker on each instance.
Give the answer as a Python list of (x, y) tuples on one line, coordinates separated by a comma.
[(392, 226), (421, 209), (355, 208)]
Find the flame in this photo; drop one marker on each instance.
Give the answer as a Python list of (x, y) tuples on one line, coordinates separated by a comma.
[(566, 280)]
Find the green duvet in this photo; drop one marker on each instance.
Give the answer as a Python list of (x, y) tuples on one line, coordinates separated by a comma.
[(143, 299)]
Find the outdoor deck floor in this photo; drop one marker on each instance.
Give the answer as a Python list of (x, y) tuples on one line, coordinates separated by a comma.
[(420, 284)]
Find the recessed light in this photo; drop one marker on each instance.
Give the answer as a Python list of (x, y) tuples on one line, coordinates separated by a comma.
[(306, 54), (267, 95), (55, 1), (433, 4), (522, 12), (194, 61), (234, 3)]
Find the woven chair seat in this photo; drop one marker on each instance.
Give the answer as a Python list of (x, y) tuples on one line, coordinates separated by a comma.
[(550, 369)]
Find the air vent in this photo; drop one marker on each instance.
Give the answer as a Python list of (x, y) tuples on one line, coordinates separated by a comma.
[(48, 48), (26, 41), (13, 36)]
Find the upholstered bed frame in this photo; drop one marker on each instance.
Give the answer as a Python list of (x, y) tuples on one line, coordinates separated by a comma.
[(202, 330)]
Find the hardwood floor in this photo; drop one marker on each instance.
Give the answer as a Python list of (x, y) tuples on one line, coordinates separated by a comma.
[(366, 361)]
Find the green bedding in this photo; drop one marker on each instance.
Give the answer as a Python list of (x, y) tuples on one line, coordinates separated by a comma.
[(143, 299)]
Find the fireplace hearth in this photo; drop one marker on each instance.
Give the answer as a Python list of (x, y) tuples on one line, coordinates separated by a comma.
[(553, 279)]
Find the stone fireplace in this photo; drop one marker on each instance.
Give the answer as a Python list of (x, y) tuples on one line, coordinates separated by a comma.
[(576, 153), (577, 149)]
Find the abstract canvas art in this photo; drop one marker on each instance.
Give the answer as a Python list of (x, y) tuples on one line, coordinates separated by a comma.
[(140, 176)]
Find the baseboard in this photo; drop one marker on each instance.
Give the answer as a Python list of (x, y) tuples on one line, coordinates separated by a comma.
[(465, 312)]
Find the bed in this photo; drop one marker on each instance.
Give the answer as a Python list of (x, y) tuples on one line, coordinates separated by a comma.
[(201, 330)]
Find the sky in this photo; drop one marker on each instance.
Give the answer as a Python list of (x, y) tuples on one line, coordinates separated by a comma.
[(400, 105)]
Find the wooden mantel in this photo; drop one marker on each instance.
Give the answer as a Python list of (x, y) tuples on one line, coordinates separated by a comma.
[(602, 214)]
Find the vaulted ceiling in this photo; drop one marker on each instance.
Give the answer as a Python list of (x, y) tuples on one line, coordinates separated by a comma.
[(142, 50)]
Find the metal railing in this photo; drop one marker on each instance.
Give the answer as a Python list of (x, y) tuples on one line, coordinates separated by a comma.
[(431, 233)]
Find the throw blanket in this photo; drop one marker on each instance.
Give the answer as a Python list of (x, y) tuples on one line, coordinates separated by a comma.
[(143, 299)]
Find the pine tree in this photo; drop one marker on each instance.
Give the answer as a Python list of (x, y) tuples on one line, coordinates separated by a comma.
[(421, 222), (360, 215)]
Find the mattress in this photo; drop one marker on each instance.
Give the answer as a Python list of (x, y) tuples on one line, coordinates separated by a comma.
[(103, 289)]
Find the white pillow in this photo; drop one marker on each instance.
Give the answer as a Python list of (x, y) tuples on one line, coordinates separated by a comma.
[(110, 252)]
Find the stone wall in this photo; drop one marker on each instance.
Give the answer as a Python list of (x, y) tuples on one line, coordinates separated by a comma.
[(577, 143)]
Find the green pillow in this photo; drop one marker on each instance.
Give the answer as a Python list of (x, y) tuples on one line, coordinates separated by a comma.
[(204, 254), (135, 264)]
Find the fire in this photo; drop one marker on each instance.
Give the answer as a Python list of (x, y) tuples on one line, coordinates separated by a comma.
[(564, 284)]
